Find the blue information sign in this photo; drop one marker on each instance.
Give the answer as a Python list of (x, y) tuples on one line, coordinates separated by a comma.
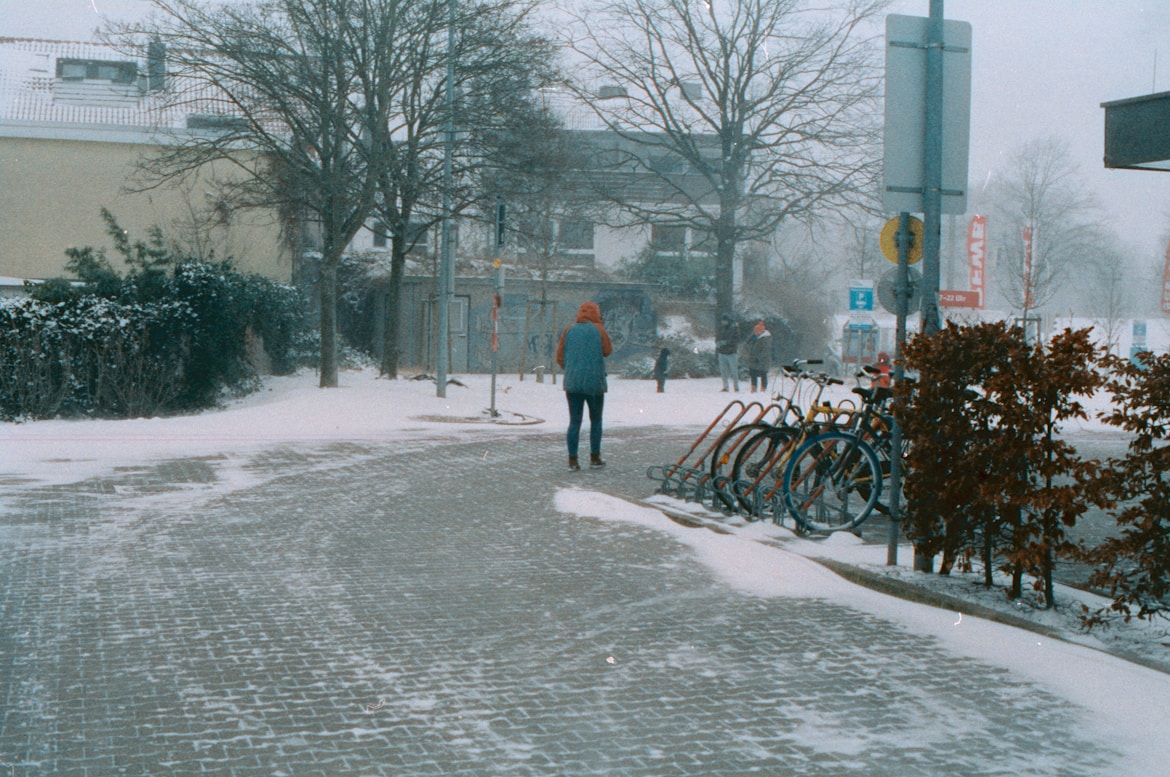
[(861, 298)]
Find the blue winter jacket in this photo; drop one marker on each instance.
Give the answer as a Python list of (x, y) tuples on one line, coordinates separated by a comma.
[(582, 350)]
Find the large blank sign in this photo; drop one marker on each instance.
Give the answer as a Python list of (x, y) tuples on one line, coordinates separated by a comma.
[(1137, 132), (905, 129)]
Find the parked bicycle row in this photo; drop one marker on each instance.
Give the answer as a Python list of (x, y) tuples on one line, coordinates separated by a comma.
[(796, 457)]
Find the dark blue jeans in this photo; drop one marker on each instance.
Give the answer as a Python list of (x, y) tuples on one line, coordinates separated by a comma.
[(577, 404)]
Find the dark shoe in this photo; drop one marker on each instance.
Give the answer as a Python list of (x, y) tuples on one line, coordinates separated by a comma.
[(595, 460), (573, 465)]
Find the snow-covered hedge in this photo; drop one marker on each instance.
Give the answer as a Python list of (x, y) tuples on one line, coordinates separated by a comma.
[(144, 345)]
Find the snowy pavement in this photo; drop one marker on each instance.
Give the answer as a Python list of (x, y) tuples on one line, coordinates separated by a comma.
[(422, 603)]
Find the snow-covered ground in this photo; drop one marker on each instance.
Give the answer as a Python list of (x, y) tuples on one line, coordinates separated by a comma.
[(1132, 701)]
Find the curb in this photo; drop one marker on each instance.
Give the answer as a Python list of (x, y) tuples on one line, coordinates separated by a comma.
[(912, 593)]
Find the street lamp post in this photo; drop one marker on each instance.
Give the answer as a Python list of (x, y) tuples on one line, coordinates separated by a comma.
[(447, 254)]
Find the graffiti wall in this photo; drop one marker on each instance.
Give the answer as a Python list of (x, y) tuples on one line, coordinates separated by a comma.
[(628, 315), (528, 329)]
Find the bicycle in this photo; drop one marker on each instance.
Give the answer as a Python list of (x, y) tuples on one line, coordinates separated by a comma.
[(722, 456), (834, 480), (768, 449)]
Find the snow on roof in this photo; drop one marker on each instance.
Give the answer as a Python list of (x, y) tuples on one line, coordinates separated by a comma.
[(31, 89)]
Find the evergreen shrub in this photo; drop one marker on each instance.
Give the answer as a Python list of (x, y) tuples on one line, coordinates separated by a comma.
[(171, 335)]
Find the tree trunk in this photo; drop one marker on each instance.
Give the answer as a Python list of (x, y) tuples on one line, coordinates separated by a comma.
[(725, 235), (724, 273), (949, 557), (328, 291), (1049, 585), (390, 351), (988, 554), (1015, 522)]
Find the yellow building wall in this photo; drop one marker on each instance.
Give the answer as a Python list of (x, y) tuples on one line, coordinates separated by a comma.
[(51, 196)]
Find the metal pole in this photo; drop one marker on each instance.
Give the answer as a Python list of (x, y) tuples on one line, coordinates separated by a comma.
[(932, 170), (497, 299), (904, 239), (497, 292), (447, 256)]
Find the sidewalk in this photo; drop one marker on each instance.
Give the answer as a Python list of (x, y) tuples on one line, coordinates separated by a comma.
[(421, 609)]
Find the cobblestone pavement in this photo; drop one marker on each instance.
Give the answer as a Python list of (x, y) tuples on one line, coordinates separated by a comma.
[(422, 609)]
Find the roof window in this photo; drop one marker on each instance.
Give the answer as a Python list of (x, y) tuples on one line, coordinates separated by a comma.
[(97, 70)]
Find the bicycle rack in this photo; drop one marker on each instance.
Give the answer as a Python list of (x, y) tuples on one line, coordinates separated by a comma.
[(687, 477), (690, 477)]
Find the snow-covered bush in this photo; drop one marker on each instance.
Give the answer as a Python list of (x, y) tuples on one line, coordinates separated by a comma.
[(171, 335), (91, 356)]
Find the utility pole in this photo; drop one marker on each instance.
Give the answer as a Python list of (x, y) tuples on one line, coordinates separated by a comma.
[(905, 241), (447, 254), (932, 171)]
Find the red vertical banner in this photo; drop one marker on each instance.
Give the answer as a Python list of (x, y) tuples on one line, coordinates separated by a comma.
[(976, 253), (1027, 268), (1166, 283)]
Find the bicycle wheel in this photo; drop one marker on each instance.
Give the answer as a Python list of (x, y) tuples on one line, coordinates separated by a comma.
[(758, 467), (832, 482), (723, 457)]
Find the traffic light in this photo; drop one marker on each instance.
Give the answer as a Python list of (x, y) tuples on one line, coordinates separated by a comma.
[(501, 223)]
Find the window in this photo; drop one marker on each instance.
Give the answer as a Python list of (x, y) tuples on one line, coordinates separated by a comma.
[(418, 237), (97, 70), (577, 235), (73, 71), (216, 122), (702, 242), (381, 235), (665, 163), (668, 239)]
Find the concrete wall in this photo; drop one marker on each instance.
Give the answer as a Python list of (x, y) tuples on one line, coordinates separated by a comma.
[(528, 330)]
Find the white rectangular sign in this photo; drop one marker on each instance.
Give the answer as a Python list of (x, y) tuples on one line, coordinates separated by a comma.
[(905, 127)]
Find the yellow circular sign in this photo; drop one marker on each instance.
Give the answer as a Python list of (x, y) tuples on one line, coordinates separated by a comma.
[(889, 242)]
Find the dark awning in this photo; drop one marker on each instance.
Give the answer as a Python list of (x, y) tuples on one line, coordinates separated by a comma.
[(1137, 132)]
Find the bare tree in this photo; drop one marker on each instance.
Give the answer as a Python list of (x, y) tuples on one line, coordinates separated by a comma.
[(1109, 292), (280, 91), (1045, 223), (857, 232), (499, 64), (771, 104), (535, 169), (334, 110)]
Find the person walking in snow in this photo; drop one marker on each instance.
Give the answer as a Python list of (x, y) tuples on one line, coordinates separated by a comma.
[(759, 356), (662, 369), (581, 354), (727, 350)]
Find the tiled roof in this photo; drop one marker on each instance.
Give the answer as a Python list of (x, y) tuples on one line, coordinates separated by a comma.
[(30, 90)]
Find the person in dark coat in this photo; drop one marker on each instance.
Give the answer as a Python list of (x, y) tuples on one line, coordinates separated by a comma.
[(759, 356), (581, 354), (662, 369), (727, 350)]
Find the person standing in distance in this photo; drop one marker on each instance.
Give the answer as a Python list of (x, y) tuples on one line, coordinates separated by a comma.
[(662, 369), (759, 356), (726, 349), (581, 355)]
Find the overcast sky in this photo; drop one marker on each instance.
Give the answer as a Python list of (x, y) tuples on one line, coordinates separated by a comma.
[(1039, 68)]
